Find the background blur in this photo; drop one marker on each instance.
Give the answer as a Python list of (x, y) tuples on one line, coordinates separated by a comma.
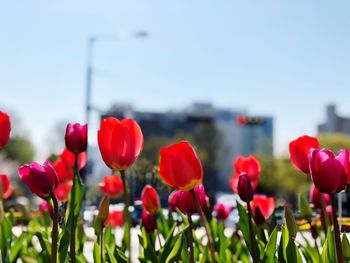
[(189, 68)]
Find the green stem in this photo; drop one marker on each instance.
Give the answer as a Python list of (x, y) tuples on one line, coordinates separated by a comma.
[(54, 233), (206, 225), (324, 215), (255, 247), (190, 237), (72, 211), (336, 231), (101, 243), (127, 216)]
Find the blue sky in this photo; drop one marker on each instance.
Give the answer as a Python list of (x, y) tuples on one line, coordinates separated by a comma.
[(282, 58)]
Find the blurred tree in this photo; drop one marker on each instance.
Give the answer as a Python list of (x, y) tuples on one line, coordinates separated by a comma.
[(19, 149), (279, 175), (335, 141)]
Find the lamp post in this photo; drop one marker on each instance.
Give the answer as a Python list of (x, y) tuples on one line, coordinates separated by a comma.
[(89, 70)]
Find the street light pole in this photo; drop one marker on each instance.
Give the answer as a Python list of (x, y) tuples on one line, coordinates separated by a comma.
[(89, 70), (89, 79)]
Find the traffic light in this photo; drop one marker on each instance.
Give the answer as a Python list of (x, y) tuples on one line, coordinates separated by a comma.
[(250, 120)]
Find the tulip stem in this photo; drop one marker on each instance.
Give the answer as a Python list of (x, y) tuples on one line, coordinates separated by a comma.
[(206, 225), (54, 233), (127, 217), (336, 231), (72, 210), (324, 215), (101, 243), (159, 240), (190, 237), (255, 248)]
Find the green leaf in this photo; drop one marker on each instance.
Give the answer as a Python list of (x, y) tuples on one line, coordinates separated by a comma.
[(16, 248), (243, 225), (270, 249), (328, 250), (5, 238), (120, 256), (96, 252), (165, 250), (290, 222), (110, 255), (176, 251), (63, 245), (345, 247), (304, 206)]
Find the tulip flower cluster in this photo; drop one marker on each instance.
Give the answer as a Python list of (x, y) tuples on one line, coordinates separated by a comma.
[(176, 221)]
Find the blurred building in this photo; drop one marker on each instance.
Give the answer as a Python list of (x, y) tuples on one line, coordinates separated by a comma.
[(334, 123), (233, 132)]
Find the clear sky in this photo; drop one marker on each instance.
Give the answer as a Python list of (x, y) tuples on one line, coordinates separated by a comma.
[(282, 58)]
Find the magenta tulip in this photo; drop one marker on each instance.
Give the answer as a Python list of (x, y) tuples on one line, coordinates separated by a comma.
[(76, 137), (329, 172), (41, 179)]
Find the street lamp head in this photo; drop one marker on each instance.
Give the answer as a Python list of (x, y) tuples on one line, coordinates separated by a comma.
[(142, 34)]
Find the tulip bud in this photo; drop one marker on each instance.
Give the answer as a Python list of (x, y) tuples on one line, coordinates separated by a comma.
[(5, 187), (115, 219), (103, 210), (180, 166), (329, 172), (258, 216), (76, 137), (41, 179), (149, 221), (5, 128), (150, 199), (316, 197), (112, 186), (262, 207), (45, 206), (62, 190), (222, 211), (184, 201), (299, 151), (245, 190)]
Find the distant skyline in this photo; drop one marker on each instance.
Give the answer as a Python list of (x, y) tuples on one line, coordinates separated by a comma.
[(287, 59)]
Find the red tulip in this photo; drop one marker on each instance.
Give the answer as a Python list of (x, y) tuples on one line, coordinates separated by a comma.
[(184, 201), (149, 221), (150, 199), (244, 188), (115, 219), (5, 187), (64, 172), (41, 179), (112, 186), (76, 137), (62, 190), (299, 151), (262, 207), (249, 165), (5, 128), (222, 211), (180, 166), (69, 158), (316, 197), (120, 142), (329, 172), (45, 206)]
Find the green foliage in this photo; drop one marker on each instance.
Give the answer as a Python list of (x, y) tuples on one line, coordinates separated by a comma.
[(279, 175), (334, 141), (19, 149)]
